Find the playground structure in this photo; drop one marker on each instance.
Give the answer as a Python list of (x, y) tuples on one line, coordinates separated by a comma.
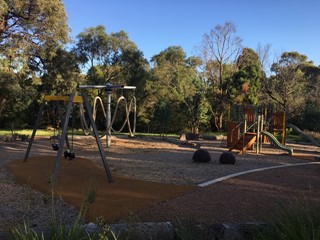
[(107, 110), (69, 100), (252, 131)]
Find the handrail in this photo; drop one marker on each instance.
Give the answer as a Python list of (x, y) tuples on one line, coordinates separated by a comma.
[(237, 126), (246, 130)]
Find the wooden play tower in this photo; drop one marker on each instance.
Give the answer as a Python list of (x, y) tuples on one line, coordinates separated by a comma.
[(254, 129)]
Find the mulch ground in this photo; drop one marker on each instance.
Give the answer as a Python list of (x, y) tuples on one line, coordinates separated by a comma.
[(245, 198), (77, 177), (253, 197)]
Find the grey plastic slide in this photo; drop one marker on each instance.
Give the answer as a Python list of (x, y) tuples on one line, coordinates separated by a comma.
[(303, 134), (277, 143)]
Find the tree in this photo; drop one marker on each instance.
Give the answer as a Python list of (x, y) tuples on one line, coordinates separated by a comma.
[(175, 79), (10, 89), (263, 52), (220, 47), (310, 115), (112, 58), (109, 54), (287, 86), (30, 33), (245, 84), (312, 75), (62, 74)]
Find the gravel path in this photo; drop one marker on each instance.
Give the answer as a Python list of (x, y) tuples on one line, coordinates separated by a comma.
[(151, 159)]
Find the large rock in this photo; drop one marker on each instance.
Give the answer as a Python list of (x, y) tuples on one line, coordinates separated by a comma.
[(227, 158), (192, 136), (201, 155)]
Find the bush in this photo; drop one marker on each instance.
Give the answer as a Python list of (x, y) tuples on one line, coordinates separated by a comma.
[(301, 221)]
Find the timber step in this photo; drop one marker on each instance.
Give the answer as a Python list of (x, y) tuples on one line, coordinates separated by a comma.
[(244, 143)]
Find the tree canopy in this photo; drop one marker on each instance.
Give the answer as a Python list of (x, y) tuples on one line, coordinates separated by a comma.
[(219, 51), (175, 92), (31, 31), (30, 34)]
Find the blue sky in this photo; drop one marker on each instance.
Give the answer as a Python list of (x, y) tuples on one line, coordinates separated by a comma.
[(154, 25)]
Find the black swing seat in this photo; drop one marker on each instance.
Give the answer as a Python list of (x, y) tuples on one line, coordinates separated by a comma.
[(55, 146), (69, 154)]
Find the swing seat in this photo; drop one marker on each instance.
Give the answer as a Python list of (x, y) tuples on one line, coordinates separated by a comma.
[(69, 154), (55, 146)]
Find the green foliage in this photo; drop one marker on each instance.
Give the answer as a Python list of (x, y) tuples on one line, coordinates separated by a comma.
[(30, 34), (60, 231), (162, 116), (109, 57), (287, 87), (245, 83), (300, 221), (174, 78), (220, 48), (62, 75), (187, 229), (10, 88), (25, 233), (31, 31), (310, 120)]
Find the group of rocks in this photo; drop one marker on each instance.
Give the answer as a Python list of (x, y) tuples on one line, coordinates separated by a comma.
[(203, 155)]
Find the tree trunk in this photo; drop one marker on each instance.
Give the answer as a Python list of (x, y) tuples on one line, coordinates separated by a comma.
[(2, 105)]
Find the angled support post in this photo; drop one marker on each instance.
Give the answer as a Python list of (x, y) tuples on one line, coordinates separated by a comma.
[(26, 156), (70, 100), (96, 136), (62, 139)]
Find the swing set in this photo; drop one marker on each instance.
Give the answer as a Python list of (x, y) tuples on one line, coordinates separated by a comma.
[(56, 127), (70, 101), (82, 100)]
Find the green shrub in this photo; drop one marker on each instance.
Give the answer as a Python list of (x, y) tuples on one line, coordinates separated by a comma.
[(300, 221), (59, 231), (188, 229)]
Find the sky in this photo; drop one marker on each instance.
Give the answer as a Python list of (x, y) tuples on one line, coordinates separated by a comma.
[(154, 25)]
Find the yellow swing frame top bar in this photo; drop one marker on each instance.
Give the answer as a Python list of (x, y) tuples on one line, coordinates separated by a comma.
[(76, 99)]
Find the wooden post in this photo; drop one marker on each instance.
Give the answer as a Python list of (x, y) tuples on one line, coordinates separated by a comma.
[(258, 135)]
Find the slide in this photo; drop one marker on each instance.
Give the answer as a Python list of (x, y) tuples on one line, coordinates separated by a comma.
[(277, 143), (303, 134)]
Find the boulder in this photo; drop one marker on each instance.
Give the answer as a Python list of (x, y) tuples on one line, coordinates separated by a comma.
[(227, 158), (201, 155), (192, 136)]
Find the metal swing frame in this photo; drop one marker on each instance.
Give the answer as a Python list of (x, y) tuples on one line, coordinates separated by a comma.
[(108, 87), (70, 100)]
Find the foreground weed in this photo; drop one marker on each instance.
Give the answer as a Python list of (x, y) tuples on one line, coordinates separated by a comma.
[(187, 229), (301, 221), (25, 233), (107, 233), (58, 230)]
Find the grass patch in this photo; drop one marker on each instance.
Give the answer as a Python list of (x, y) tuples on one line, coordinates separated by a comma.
[(59, 231), (299, 220), (188, 229)]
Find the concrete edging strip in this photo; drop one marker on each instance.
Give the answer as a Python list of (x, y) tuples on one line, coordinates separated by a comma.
[(205, 184)]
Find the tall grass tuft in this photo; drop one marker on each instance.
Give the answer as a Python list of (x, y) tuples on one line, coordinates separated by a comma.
[(188, 229), (297, 221), (59, 231)]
